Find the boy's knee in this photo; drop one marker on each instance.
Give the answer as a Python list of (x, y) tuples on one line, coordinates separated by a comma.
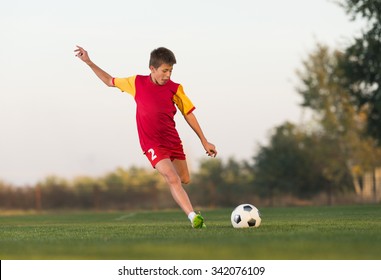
[(173, 179), (185, 180)]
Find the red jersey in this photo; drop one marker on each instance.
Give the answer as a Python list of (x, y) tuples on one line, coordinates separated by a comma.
[(155, 109)]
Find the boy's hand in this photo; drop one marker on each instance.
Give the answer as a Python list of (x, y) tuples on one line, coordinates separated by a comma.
[(82, 54), (210, 149)]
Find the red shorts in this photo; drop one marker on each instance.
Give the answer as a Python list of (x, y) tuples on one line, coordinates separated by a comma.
[(155, 155)]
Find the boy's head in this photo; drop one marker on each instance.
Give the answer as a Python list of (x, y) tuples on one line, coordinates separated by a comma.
[(161, 65), (161, 56)]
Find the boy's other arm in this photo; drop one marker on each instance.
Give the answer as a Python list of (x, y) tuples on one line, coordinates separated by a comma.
[(82, 54), (193, 123)]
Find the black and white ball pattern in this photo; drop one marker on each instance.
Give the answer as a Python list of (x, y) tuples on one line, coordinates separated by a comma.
[(246, 216)]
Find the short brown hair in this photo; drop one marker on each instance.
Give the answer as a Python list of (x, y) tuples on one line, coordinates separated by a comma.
[(160, 56)]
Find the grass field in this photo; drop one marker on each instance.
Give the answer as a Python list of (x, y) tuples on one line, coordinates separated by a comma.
[(341, 232)]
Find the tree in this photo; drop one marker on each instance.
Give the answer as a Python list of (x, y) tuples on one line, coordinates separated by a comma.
[(362, 62), (88, 192), (305, 161), (56, 193), (324, 90), (209, 181), (290, 164), (237, 184)]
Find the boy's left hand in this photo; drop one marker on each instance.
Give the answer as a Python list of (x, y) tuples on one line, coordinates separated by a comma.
[(210, 149)]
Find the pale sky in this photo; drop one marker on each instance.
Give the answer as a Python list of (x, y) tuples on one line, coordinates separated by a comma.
[(235, 59)]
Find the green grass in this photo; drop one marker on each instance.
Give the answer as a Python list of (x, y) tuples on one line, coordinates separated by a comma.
[(341, 232)]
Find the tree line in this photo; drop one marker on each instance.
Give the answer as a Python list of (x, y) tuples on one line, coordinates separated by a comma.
[(334, 154)]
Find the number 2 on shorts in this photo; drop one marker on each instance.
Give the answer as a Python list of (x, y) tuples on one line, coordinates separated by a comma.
[(152, 152)]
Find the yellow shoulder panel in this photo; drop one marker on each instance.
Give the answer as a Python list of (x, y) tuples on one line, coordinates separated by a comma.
[(126, 84), (182, 101)]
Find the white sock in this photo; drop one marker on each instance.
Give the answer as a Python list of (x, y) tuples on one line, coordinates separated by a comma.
[(191, 216)]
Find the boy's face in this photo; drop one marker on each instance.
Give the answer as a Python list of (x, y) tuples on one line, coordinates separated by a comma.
[(161, 75)]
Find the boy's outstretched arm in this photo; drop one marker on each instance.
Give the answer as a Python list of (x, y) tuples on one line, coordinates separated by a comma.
[(82, 54), (193, 123)]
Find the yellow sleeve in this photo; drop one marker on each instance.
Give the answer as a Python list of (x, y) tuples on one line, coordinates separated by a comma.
[(126, 84), (183, 102)]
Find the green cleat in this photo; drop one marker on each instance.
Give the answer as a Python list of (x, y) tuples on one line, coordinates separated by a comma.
[(198, 222)]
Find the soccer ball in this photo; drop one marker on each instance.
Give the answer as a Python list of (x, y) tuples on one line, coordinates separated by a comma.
[(246, 216)]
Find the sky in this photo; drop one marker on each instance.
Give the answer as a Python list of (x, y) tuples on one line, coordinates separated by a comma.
[(235, 59)]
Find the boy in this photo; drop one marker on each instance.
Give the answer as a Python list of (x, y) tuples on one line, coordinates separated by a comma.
[(155, 96)]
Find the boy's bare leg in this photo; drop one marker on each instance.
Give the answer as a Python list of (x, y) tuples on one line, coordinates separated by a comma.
[(169, 172), (181, 167)]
